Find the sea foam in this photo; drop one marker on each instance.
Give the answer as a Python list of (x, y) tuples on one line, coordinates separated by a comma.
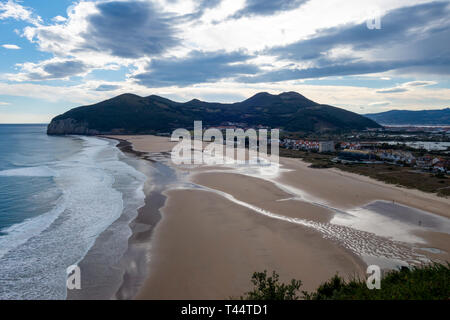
[(41, 171), (35, 254)]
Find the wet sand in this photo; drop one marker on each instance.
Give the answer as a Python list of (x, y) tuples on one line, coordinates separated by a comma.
[(145, 143), (104, 277), (208, 248)]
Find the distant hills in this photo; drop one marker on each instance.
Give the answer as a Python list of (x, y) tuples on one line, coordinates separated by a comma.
[(403, 117), (132, 114)]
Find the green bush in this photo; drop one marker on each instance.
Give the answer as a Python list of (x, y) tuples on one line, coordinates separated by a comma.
[(429, 282)]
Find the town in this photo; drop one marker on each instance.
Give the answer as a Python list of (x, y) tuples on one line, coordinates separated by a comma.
[(370, 153)]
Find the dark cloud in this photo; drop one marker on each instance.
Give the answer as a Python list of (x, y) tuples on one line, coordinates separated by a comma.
[(324, 71), (107, 87), (65, 69), (200, 9), (208, 4), (412, 38), (392, 90), (267, 7), (345, 69), (129, 30), (399, 25), (197, 67), (419, 83), (59, 70)]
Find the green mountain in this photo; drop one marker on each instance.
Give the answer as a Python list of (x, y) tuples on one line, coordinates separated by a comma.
[(132, 114), (404, 117)]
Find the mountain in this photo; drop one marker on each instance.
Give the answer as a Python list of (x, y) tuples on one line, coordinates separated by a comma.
[(132, 114), (404, 117)]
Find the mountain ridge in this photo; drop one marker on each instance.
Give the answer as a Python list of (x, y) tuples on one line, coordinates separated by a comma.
[(412, 117), (133, 114)]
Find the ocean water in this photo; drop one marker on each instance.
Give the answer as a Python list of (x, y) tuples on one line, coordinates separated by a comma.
[(57, 195), (428, 145)]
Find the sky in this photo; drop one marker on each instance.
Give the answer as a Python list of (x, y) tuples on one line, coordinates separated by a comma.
[(364, 56)]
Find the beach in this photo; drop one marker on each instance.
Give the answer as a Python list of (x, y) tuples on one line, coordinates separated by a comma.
[(219, 225)]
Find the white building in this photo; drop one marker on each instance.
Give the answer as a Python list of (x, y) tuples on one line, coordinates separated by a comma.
[(326, 146)]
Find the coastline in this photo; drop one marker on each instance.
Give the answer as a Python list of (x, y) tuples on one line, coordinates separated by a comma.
[(122, 279), (148, 217), (205, 246)]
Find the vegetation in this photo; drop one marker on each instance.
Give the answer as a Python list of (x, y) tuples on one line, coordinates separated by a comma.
[(317, 160), (430, 282), (270, 288)]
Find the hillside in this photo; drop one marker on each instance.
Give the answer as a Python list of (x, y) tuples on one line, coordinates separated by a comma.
[(404, 117), (132, 114)]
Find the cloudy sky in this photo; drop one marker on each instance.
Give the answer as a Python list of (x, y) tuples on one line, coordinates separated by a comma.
[(55, 55)]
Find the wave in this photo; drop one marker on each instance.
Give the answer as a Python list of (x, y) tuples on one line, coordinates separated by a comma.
[(40, 171), (20, 233), (37, 251)]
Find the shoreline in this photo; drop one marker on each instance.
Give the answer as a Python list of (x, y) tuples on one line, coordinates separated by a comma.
[(142, 229), (132, 268), (145, 223)]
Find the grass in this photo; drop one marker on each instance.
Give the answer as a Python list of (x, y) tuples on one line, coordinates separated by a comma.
[(429, 282), (402, 176)]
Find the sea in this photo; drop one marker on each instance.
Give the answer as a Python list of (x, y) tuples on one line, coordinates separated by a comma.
[(57, 195), (427, 145)]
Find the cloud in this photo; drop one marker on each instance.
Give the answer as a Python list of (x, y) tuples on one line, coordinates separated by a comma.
[(206, 4), (13, 10), (50, 69), (4, 103), (420, 83), (132, 33), (59, 19), (64, 69), (107, 87), (267, 7), (318, 72), (392, 90), (197, 67), (200, 8), (105, 32), (380, 104), (407, 86), (412, 38), (11, 46), (398, 25), (76, 95), (97, 35), (128, 30)]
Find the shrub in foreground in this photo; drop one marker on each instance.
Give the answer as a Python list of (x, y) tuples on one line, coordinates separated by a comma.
[(429, 282), (270, 288)]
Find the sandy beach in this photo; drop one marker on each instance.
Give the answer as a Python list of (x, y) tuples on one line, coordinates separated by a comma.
[(208, 248), (219, 225)]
